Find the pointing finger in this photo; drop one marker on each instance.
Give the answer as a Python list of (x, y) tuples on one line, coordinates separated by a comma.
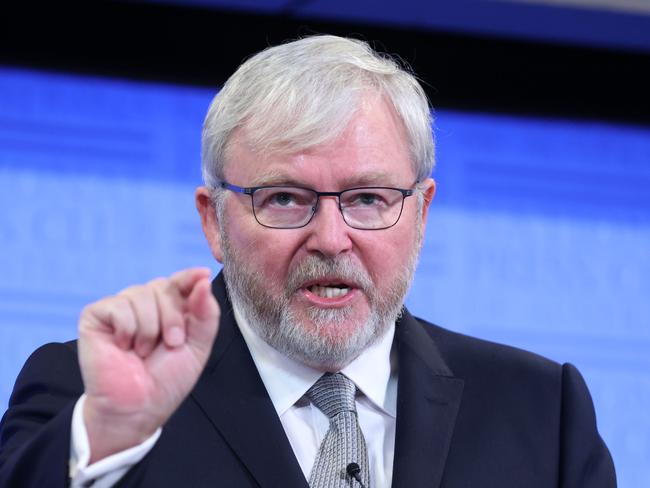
[(185, 280), (143, 304), (203, 315), (113, 316), (170, 311)]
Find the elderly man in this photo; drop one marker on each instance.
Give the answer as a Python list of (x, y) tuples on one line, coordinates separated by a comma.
[(317, 157)]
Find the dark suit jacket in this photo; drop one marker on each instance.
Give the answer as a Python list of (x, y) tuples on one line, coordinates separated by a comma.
[(469, 414)]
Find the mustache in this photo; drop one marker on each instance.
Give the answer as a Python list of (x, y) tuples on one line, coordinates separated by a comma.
[(317, 267)]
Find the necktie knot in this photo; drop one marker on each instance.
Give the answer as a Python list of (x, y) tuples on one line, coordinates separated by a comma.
[(343, 444), (333, 394)]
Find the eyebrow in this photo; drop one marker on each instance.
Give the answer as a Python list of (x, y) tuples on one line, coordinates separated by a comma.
[(272, 178), (376, 178), (279, 178)]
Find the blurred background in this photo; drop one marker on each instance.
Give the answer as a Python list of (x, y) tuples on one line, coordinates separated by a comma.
[(539, 236)]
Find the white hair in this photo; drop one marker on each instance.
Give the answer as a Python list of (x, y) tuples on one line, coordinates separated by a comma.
[(304, 93)]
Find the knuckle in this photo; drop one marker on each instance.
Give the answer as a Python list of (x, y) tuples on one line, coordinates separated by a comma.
[(159, 283), (171, 318), (131, 291), (149, 329), (118, 303), (168, 298), (89, 309), (119, 309)]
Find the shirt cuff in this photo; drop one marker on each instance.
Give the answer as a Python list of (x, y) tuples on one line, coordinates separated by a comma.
[(108, 471)]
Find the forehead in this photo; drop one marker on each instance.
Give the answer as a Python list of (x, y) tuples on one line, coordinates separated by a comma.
[(372, 149)]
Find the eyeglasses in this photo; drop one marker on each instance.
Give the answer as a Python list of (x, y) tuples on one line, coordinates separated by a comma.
[(289, 207)]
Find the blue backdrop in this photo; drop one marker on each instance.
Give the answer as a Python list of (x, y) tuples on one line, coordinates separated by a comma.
[(539, 235)]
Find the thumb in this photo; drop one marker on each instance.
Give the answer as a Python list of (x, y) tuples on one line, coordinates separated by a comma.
[(203, 315)]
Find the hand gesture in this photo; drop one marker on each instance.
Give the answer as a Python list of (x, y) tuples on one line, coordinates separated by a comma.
[(141, 353)]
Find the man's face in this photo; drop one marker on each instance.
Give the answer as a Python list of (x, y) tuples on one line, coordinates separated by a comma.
[(324, 292)]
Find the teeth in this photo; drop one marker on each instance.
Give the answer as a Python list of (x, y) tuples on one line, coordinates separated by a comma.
[(329, 291)]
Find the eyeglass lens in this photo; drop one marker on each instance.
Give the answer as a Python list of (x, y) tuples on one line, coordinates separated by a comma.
[(362, 208)]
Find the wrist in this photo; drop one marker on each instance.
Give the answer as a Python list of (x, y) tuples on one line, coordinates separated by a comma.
[(110, 432)]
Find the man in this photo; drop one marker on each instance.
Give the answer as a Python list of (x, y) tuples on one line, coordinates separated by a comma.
[(316, 161)]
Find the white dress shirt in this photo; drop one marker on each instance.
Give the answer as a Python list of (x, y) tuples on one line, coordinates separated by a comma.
[(374, 373), (287, 381)]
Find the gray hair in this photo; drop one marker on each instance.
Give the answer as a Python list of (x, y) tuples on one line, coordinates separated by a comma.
[(304, 93)]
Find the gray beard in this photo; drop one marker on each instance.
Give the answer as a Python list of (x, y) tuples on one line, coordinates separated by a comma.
[(322, 347)]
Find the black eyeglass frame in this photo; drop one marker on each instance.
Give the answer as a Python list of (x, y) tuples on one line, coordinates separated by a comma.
[(250, 190)]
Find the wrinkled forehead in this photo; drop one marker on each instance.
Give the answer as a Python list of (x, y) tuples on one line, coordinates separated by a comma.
[(372, 142)]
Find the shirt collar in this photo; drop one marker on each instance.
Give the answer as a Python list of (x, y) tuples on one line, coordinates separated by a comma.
[(287, 380)]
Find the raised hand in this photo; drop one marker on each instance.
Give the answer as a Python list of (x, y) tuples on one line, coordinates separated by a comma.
[(141, 352)]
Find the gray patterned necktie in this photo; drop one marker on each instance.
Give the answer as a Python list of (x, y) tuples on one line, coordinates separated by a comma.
[(343, 444)]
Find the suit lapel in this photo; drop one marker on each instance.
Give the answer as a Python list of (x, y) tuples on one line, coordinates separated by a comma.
[(232, 395), (428, 399)]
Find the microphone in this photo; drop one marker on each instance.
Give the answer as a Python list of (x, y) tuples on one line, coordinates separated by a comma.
[(354, 471)]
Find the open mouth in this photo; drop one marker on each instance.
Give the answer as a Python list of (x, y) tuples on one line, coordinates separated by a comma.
[(330, 291), (335, 290)]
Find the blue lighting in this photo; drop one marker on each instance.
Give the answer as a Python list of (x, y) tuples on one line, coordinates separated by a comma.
[(539, 236)]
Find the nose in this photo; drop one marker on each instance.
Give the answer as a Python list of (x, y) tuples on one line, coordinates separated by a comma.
[(329, 235)]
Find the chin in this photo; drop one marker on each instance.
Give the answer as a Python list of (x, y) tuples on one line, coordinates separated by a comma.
[(327, 339)]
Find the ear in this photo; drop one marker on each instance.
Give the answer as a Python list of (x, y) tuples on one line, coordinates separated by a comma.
[(429, 189), (209, 221)]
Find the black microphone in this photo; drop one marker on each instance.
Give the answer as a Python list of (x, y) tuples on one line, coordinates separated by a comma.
[(354, 470)]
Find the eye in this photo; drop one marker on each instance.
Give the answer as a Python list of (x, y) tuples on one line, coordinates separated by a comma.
[(282, 198), (362, 199), (368, 198)]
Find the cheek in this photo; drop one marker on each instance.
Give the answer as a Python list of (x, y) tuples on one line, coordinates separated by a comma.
[(389, 254), (385, 257), (268, 251), (275, 257)]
